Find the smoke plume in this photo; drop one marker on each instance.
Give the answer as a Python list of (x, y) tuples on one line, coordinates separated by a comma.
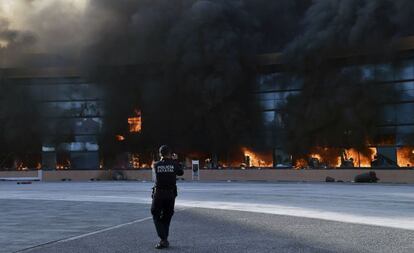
[(340, 106), (192, 67), (189, 65)]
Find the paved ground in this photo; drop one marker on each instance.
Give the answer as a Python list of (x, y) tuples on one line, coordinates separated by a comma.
[(114, 217)]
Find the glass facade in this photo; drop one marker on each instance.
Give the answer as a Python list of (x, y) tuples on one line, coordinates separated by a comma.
[(272, 91), (71, 109), (273, 87)]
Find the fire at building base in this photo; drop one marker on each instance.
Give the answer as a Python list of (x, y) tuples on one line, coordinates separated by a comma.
[(317, 99), (72, 131)]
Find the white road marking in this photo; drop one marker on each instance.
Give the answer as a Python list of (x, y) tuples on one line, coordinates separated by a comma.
[(83, 235), (103, 230), (179, 209)]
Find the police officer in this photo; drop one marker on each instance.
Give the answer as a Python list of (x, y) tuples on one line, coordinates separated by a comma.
[(164, 193)]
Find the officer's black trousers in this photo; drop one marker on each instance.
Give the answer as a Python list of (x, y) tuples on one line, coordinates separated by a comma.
[(162, 210)]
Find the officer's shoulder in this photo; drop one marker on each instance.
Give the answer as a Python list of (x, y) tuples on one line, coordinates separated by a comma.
[(177, 164), (157, 163), (174, 162)]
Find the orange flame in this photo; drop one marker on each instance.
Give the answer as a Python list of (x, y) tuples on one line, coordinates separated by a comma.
[(405, 156), (361, 160), (135, 123), (333, 157), (134, 161), (301, 163), (119, 137), (257, 160)]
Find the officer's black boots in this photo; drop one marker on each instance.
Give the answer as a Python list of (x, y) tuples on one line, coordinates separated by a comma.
[(163, 244)]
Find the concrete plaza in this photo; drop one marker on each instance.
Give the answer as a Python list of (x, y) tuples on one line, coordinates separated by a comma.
[(210, 217)]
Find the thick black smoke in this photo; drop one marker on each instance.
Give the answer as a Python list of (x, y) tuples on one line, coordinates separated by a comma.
[(191, 67), (16, 109), (332, 27), (339, 107), (21, 128), (189, 64), (340, 110)]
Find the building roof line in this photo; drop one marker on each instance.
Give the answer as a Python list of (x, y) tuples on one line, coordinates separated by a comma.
[(275, 58)]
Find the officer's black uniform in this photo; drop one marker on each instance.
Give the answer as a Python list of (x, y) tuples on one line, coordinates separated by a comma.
[(164, 193)]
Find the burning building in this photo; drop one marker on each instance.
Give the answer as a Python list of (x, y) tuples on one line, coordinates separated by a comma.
[(143, 73), (337, 124)]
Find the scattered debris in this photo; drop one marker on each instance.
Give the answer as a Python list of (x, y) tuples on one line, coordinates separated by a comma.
[(24, 182), (369, 177)]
